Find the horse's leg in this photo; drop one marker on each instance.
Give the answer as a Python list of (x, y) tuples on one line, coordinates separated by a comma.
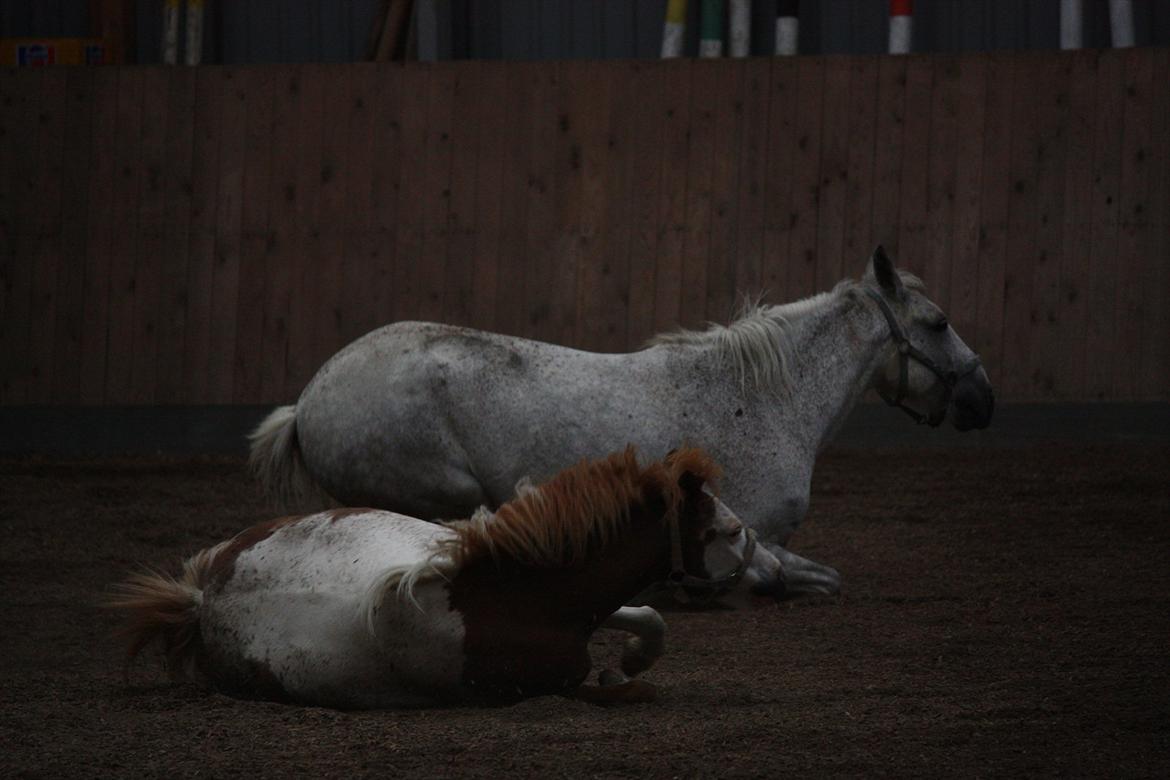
[(648, 641), (800, 576)]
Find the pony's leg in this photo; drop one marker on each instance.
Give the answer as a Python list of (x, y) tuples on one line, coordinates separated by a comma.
[(628, 692), (801, 577), (648, 641)]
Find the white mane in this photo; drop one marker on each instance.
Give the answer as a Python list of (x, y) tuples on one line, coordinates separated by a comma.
[(758, 343)]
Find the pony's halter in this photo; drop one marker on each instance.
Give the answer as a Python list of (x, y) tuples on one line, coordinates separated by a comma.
[(908, 352), (688, 588)]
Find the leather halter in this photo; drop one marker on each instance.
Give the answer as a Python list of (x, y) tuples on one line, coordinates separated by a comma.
[(683, 585), (908, 352)]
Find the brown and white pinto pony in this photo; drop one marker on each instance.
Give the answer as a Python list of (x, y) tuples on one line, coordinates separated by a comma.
[(362, 608)]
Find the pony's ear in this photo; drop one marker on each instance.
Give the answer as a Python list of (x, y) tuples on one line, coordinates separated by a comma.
[(692, 468), (884, 273)]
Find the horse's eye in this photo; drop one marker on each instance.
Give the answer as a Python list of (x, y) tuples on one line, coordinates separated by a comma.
[(940, 326)]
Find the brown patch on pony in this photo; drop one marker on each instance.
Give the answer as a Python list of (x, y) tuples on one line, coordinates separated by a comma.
[(223, 565), (557, 523)]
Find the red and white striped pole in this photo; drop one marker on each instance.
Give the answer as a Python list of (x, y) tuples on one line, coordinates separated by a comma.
[(787, 27), (901, 25), (1121, 23), (1072, 14)]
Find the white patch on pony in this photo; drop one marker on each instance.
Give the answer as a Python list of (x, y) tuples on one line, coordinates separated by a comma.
[(296, 604)]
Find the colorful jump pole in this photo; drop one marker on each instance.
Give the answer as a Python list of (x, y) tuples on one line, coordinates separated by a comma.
[(1072, 14), (740, 19), (1121, 23), (674, 29), (711, 29), (194, 32), (901, 26), (170, 53), (787, 27)]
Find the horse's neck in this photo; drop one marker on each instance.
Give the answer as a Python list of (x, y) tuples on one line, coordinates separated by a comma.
[(838, 348)]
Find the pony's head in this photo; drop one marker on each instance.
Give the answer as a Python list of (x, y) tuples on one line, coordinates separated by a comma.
[(929, 371), (711, 548)]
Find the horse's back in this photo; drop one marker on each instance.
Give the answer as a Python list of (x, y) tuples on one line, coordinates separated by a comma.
[(286, 617)]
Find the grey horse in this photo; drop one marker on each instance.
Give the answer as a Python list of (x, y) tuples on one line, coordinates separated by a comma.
[(433, 420)]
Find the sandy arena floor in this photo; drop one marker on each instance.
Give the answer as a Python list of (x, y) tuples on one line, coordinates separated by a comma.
[(1004, 612)]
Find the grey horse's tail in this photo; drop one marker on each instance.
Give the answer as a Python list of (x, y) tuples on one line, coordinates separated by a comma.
[(276, 461)]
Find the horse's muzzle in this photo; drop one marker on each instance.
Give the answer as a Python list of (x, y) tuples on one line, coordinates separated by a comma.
[(972, 402)]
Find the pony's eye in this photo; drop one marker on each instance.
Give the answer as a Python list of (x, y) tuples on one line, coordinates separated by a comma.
[(940, 326)]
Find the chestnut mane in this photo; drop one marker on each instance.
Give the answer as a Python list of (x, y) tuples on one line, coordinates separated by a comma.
[(557, 523)]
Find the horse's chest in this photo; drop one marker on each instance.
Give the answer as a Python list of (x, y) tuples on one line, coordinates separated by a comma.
[(512, 649)]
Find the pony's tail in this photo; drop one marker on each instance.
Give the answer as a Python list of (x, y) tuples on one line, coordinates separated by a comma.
[(159, 606), (276, 461)]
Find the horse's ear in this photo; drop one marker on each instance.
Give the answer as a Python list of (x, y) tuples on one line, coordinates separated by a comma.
[(884, 273), (693, 469)]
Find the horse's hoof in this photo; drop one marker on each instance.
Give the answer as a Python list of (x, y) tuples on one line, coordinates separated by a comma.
[(608, 677)]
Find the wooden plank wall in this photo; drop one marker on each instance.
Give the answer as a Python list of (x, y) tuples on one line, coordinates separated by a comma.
[(212, 235)]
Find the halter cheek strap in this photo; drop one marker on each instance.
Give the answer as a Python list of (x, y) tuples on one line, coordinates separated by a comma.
[(684, 586), (907, 352)]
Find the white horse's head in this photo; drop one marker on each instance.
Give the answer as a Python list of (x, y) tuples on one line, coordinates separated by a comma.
[(929, 371)]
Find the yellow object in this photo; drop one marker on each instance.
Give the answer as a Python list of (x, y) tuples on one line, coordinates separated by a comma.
[(676, 11)]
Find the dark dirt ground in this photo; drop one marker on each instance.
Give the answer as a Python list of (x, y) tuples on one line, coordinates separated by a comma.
[(1004, 613)]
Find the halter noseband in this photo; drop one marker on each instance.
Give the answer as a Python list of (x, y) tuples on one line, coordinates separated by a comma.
[(908, 352), (683, 584)]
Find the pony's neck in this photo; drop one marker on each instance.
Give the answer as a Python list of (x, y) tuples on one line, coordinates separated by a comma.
[(839, 347)]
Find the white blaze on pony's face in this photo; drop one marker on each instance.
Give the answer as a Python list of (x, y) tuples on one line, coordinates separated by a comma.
[(726, 542), (945, 376)]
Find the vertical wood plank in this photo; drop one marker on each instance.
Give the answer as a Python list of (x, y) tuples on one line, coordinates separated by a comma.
[(806, 181), (603, 294), (962, 309), (411, 206), (1100, 342), (492, 141), (436, 192), (22, 103), (9, 154), (256, 240), (941, 179), (50, 120), (239, 93), (377, 287), (470, 113), (1155, 350), (889, 134), (150, 240), (747, 261), (862, 143), (124, 234), (305, 257), (648, 85), (993, 217), (1134, 224), (280, 260), (1052, 100), (700, 163), (834, 173), (75, 206), (173, 255), (511, 311), (1076, 232), (780, 216), (205, 137), (1023, 216), (672, 201), (721, 254), (912, 245), (363, 274)]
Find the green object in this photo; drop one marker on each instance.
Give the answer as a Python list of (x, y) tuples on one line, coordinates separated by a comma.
[(711, 23)]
